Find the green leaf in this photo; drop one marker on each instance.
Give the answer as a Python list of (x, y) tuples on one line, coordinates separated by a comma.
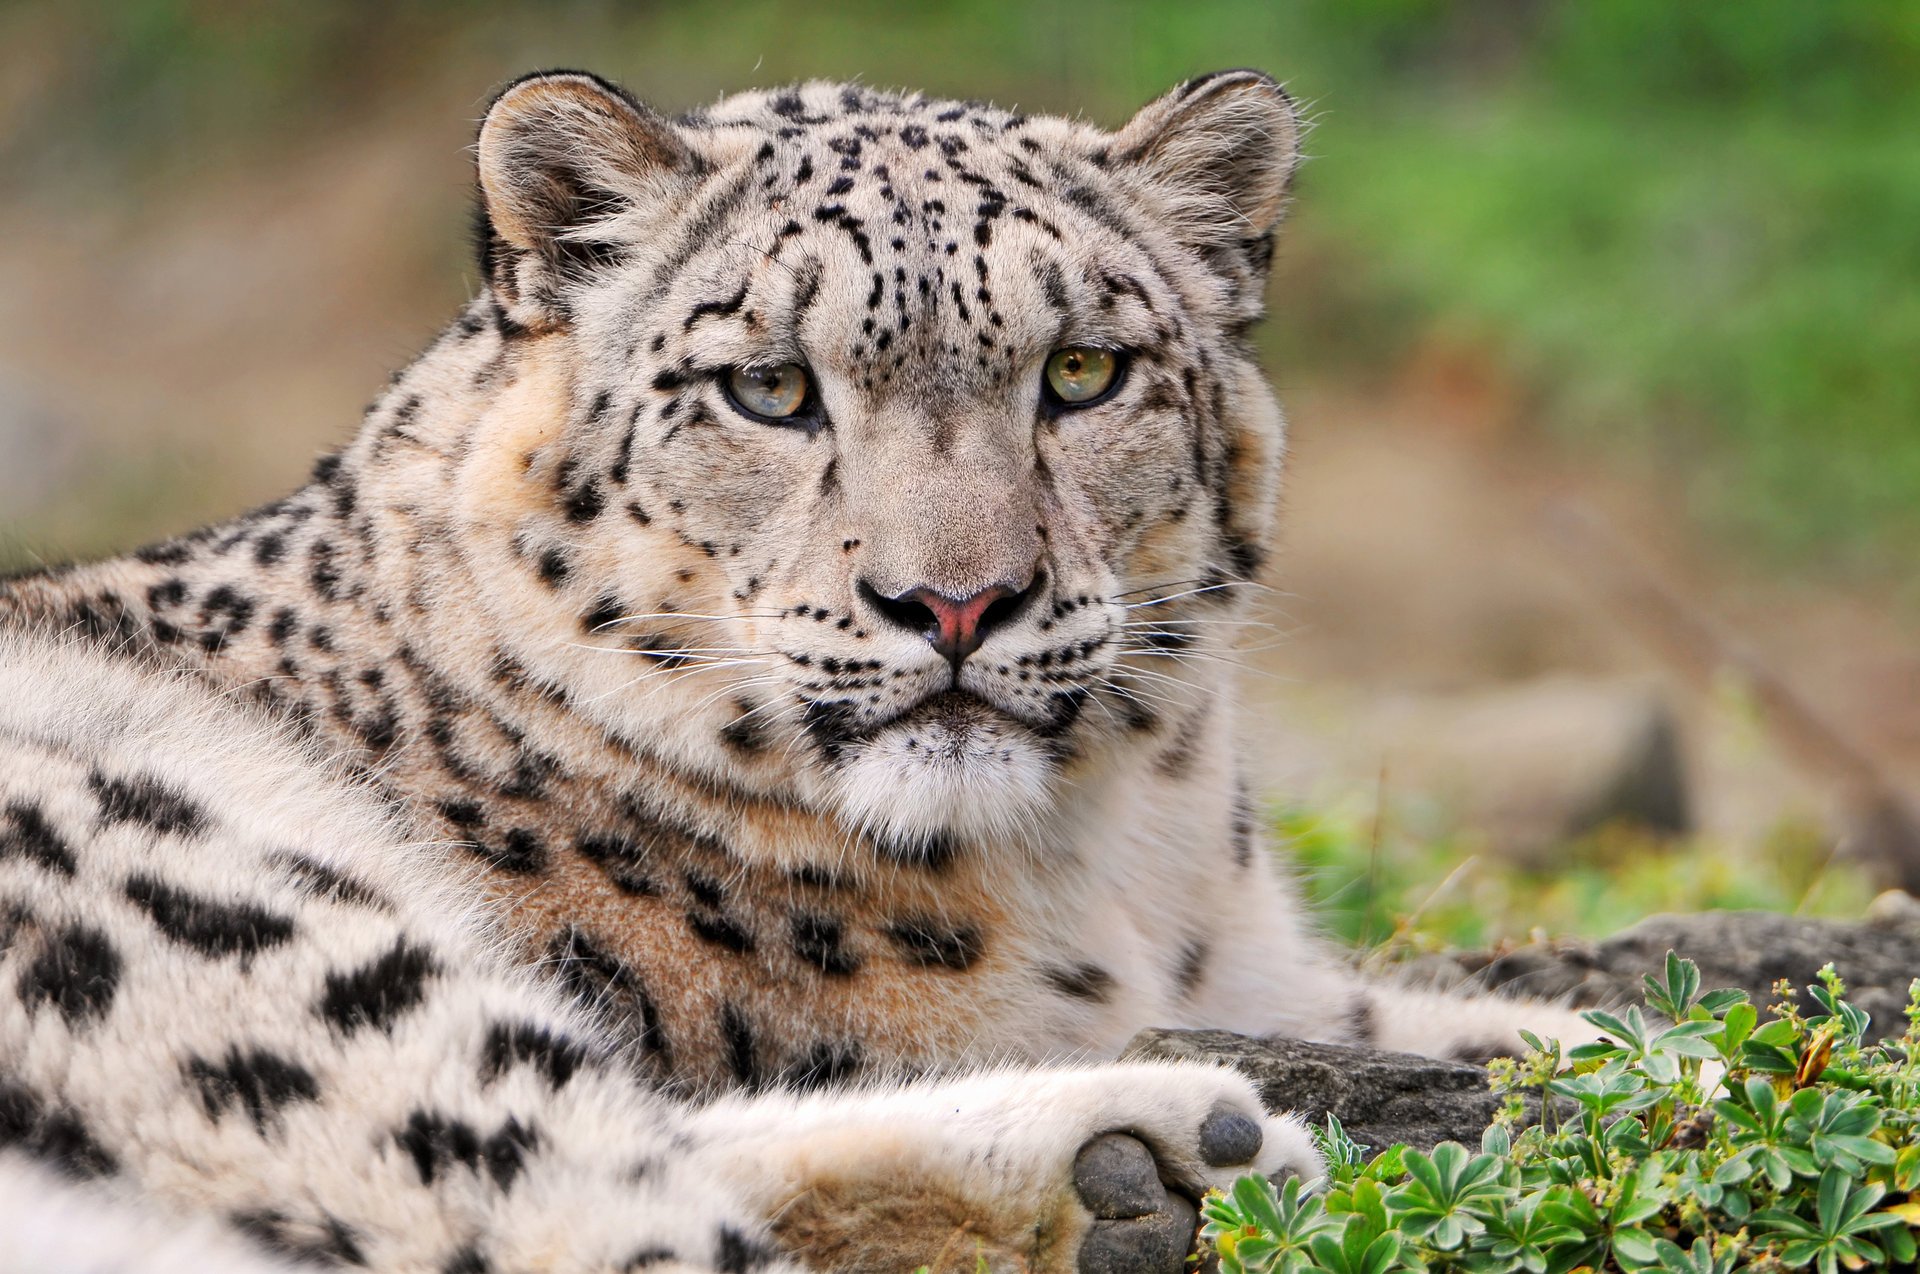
[(1736, 1028), (1635, 1247)]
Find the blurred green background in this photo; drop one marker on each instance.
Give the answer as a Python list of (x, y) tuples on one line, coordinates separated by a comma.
[(1657, 260)]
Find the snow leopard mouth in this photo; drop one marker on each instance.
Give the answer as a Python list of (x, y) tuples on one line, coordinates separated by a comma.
[(949, 723)]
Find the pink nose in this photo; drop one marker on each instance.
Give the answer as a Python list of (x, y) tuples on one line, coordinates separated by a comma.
[(954, 627), (959, 627)]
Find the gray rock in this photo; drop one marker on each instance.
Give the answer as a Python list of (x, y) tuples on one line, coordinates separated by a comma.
[(1380, 1098), (1878, 958), (1383, 1098)]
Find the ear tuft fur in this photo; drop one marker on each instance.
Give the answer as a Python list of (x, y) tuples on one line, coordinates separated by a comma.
[(561, 155), (1217, 156)]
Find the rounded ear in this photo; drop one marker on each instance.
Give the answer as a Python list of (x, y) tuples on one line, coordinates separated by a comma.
[(1217, 155), (563, 156)]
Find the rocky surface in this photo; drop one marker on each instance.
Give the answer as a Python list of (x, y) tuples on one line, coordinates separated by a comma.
[(1379, 1097), (1878, 957), (1383, 1098)]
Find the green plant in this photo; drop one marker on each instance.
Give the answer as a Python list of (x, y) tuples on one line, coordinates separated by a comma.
[(1690, 1139)]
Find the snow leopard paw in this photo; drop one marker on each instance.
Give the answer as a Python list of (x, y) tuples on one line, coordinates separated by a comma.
[(1094, 1170)]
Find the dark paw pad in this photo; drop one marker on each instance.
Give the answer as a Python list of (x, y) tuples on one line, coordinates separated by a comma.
[(1229, 1137), (1139, 1226), (1117, 1178), (1153, 1244)]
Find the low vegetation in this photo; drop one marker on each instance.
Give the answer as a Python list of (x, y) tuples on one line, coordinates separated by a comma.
[(1381, 885), (1696, 1139)]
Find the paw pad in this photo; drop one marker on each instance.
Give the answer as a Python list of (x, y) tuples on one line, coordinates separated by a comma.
[(1229, 1137), (1156, 1244), (1117, 1179), (1139, 1227)]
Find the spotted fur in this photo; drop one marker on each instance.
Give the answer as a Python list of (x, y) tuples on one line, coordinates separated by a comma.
[(627, 659)]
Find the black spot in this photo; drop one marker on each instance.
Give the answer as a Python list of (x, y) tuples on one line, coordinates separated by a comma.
[(462, 812), (168, 592), (169, 553), (211, 927), (933, 852), (285, 622), (707, 891), (318, 880), (827, 1064), (554, 568), (1243, 556), (77, 971), (323, 573), (621, 857), (225, 613), (1480, 1052), (739, 1254), (819, 940), (25, 833), (927, 941), (607, 985), (745, 733), (1192, 966), (520, 851), (721, 930), (605, 613), (436, 1143), (1362, 1027), (511, 1044), (647, 1258), (1243, 826), (377, 993), (1082, 981), (327, 1241), (737, 1034), (467, 1260), (145, 800), (258, 1082), (53, 1135), (729, 306), (584, 503)]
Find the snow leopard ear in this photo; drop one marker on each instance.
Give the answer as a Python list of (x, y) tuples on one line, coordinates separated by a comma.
[(563, 156), (1216, 156)]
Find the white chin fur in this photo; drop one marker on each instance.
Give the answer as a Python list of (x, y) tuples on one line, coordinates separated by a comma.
[(975, 777)]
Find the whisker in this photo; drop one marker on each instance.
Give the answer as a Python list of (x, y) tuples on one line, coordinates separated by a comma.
[(1194, 592)]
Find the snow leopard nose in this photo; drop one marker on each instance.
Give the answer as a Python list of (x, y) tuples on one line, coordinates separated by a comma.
[(953, 626)]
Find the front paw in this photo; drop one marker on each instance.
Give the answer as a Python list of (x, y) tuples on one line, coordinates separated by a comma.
[(1140, 1225), (1091, 1170)]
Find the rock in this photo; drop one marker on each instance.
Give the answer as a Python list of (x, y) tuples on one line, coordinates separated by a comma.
[(1385, 1098), (1529, 767), (1878, 958), (1381, 1098)]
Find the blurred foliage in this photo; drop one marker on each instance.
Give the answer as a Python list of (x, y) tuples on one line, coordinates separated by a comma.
[(1374, 885), (1691, 229)]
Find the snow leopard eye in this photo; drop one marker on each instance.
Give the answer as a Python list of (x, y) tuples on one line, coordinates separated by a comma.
[(1079, 375), (769, 393)]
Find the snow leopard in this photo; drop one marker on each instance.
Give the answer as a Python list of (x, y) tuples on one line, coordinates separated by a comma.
[(714, 771)]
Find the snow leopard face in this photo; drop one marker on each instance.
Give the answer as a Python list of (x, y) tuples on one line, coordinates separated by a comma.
[(931, 402)]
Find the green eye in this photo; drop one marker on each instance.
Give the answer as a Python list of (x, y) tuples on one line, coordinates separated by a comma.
[(1080, 374), (773, 393)]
